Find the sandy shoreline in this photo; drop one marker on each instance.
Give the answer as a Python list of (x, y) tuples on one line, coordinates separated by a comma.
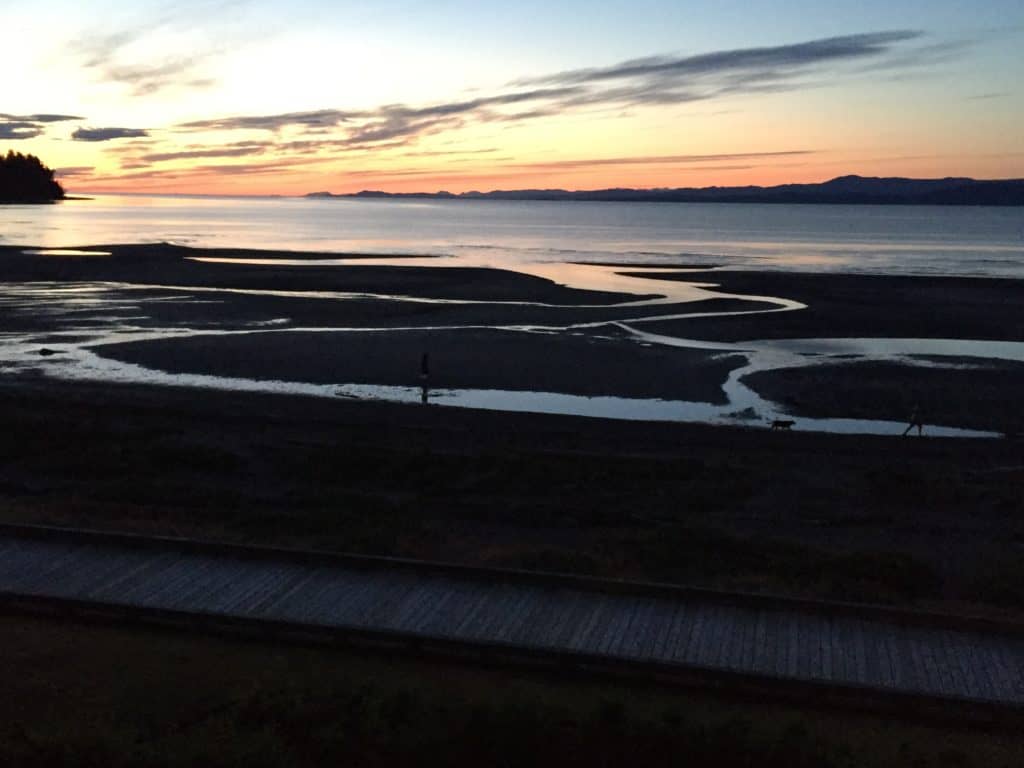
[(488, 329)]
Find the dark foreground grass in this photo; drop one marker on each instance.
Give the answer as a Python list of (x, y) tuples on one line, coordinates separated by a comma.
[(932, 524), (92, 695)]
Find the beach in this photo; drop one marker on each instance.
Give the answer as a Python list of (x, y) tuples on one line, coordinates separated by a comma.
[(304, 322), (932, 522)]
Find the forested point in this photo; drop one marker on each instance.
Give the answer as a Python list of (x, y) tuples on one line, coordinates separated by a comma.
[(24, 179)]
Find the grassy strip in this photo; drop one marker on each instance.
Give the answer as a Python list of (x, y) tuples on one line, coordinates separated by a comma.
[(83, 695)]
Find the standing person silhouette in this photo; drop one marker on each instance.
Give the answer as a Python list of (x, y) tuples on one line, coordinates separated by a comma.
[(916, 420), (425, 378)]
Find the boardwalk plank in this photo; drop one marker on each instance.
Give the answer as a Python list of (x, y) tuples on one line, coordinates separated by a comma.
[(680, 637), (496, 605), (763, 661), (791, 628), (115, 567), (508, 624), (957, 648), (954, 661), (286, 592), (32, 576), (256, 602), (688, 633), (728, 641), (477, 604), (1006, 670), (827, 662), (717, 636), (872, 658), (933, 680), (205, 577), (451, 611), (565, 603)]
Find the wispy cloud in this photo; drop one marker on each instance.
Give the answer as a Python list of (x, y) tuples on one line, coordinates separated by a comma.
[(723, 161), (123, 56), (74, 170), (772, 63), (238, 150), (41, 118), (108, 134), (317, 119), (660, 160)]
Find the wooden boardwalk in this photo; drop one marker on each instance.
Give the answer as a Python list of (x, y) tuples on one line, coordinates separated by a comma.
[(772, 640)]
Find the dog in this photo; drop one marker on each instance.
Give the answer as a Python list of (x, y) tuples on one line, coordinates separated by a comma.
[(782, 424)]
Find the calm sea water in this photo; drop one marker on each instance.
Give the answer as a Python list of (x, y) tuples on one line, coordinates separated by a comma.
[(906, 240)]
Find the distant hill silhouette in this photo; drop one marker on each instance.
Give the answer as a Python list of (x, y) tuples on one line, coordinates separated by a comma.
[(845, 190), (24, 179)]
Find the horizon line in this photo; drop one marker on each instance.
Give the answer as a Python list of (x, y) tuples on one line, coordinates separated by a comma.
[(471, 193)]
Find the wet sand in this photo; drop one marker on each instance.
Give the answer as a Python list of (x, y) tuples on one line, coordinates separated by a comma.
[(853, 306), (169, 265), (985, 396), (481, 326), (579, 364), (180, 291)]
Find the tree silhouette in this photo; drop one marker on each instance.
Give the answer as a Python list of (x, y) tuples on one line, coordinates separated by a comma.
[(24, 178)]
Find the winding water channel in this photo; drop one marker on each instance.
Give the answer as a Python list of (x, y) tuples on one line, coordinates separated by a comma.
[(75, 309)]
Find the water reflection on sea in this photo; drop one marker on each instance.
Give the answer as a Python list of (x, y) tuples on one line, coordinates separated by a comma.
[(880, 239)]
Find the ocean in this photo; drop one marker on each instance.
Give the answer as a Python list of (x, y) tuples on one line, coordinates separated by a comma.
[(861, 239)]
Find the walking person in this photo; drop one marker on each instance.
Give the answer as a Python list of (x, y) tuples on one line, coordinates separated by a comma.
[(916, 420)]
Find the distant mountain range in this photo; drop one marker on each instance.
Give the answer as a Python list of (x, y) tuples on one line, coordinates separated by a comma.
[(845, 190)]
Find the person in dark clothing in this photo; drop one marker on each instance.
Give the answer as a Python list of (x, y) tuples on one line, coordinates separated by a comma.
[(425, 378), (916, 420)]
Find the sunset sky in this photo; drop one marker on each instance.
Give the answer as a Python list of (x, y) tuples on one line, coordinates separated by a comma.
[(266, 97)]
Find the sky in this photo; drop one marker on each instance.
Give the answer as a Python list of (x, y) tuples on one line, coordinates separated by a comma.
[(264, 97)]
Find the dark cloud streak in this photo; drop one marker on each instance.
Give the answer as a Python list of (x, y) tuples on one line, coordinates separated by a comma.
[(190, 154), (108, 134), (778, 59), (20, 127), (17, 130), (662, 159)]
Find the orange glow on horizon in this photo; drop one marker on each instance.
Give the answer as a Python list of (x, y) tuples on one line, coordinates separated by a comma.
[(484, 179)]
